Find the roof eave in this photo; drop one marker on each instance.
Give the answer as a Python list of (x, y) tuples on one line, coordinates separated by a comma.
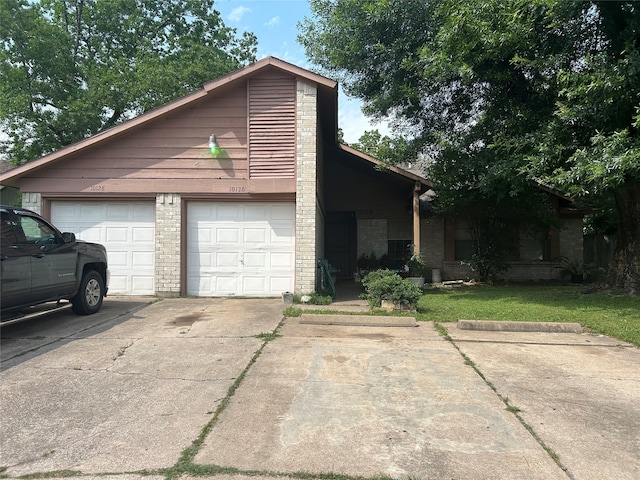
[(11, 177), (275, 62), (379, 164)]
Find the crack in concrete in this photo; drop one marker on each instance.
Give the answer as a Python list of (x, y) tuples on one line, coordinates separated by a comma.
[(122, 350), (511, 408), (143, 374)]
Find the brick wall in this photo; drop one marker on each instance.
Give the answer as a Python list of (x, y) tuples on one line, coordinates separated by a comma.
[(32, 201), (571, 246), (571, 239), (517, 272), (454, 270), (306, 181), (168, 234)]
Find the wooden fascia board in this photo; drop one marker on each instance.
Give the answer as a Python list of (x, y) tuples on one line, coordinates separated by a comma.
[(551, 191), (274, 62), (377, 163), (576, 212)]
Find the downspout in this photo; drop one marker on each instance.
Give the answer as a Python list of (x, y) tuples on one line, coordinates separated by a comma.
[(416, 218)]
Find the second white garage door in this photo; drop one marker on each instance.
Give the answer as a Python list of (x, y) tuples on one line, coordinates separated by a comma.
[(126, 229), (240, 248)]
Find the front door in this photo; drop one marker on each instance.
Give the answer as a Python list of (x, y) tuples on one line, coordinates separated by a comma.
[(341, 242)]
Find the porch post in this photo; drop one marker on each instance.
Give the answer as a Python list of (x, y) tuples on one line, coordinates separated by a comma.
[(416, 218)]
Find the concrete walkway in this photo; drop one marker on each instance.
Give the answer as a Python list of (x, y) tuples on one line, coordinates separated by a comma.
[(193, 388)]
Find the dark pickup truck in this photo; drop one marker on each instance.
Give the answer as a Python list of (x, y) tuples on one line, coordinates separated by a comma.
[(38, 264)]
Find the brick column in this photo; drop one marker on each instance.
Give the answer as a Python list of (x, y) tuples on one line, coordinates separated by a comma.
[(306, 184), (32, 201), (168, 239)]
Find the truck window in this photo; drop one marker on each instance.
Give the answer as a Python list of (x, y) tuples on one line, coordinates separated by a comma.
[(36, 231), (8, 234)]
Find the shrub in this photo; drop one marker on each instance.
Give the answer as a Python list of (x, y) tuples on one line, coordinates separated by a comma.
[(374, 276), (575, 269), (319, 299), (488, 266), (416, 266), (385, 285)]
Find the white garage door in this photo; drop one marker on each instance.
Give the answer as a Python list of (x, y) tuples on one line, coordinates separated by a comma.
[(240, 248), (126, 229)]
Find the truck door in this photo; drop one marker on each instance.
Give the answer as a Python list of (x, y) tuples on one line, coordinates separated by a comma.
[(53, 262), (15, 264)]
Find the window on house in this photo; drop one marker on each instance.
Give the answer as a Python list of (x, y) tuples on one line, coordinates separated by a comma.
[(464, 241), (398, 249), (399, 232), (534, 247)]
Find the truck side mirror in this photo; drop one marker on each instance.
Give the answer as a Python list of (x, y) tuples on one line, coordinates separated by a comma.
[(69, 237)]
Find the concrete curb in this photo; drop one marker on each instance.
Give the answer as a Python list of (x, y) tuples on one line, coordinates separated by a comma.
[(333, 307), (497, 326), (357, 320)]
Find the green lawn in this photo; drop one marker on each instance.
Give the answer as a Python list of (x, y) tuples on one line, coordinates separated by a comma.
[(614, 315)]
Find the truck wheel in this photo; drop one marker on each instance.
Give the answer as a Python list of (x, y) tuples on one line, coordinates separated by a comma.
[(88, 300)]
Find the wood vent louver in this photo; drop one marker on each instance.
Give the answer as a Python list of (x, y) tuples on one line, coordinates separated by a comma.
[(272, 128)]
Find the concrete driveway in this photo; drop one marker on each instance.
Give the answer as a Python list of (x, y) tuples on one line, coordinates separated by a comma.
[(187, 387)]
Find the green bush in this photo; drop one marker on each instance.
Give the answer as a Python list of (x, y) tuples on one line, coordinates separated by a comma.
[(375, 275), (318, 299), (385, 285), (313, 298), (416, 266)]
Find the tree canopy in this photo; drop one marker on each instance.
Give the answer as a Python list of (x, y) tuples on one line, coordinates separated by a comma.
[(498, 94), (71, 68)]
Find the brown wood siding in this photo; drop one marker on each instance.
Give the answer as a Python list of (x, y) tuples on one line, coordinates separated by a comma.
[(170, 154), (170, 148), (272, 127)]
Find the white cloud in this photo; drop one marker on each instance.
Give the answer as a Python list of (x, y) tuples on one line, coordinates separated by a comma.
[(285, 51), (237, 13), (273, 22)]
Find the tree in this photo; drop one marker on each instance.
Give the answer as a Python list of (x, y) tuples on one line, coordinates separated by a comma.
[(72, 68), (498, 94), (379, 146)]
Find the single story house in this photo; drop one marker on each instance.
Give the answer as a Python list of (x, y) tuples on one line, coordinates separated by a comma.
[(240, 187)]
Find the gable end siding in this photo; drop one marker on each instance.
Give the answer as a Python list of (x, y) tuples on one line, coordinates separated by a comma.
[(272, 127)]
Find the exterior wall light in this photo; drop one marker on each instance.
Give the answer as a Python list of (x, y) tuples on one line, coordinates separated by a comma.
[(214, 148)]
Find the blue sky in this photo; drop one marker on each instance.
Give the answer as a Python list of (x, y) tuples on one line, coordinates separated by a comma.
[(274, 22)]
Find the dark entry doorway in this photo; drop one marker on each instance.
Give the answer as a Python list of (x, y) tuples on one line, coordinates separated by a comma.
[(341, 242)]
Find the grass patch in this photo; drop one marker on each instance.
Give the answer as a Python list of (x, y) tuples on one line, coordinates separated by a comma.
[(267, 336), (615, 315), (292, 312), (54, 474)]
